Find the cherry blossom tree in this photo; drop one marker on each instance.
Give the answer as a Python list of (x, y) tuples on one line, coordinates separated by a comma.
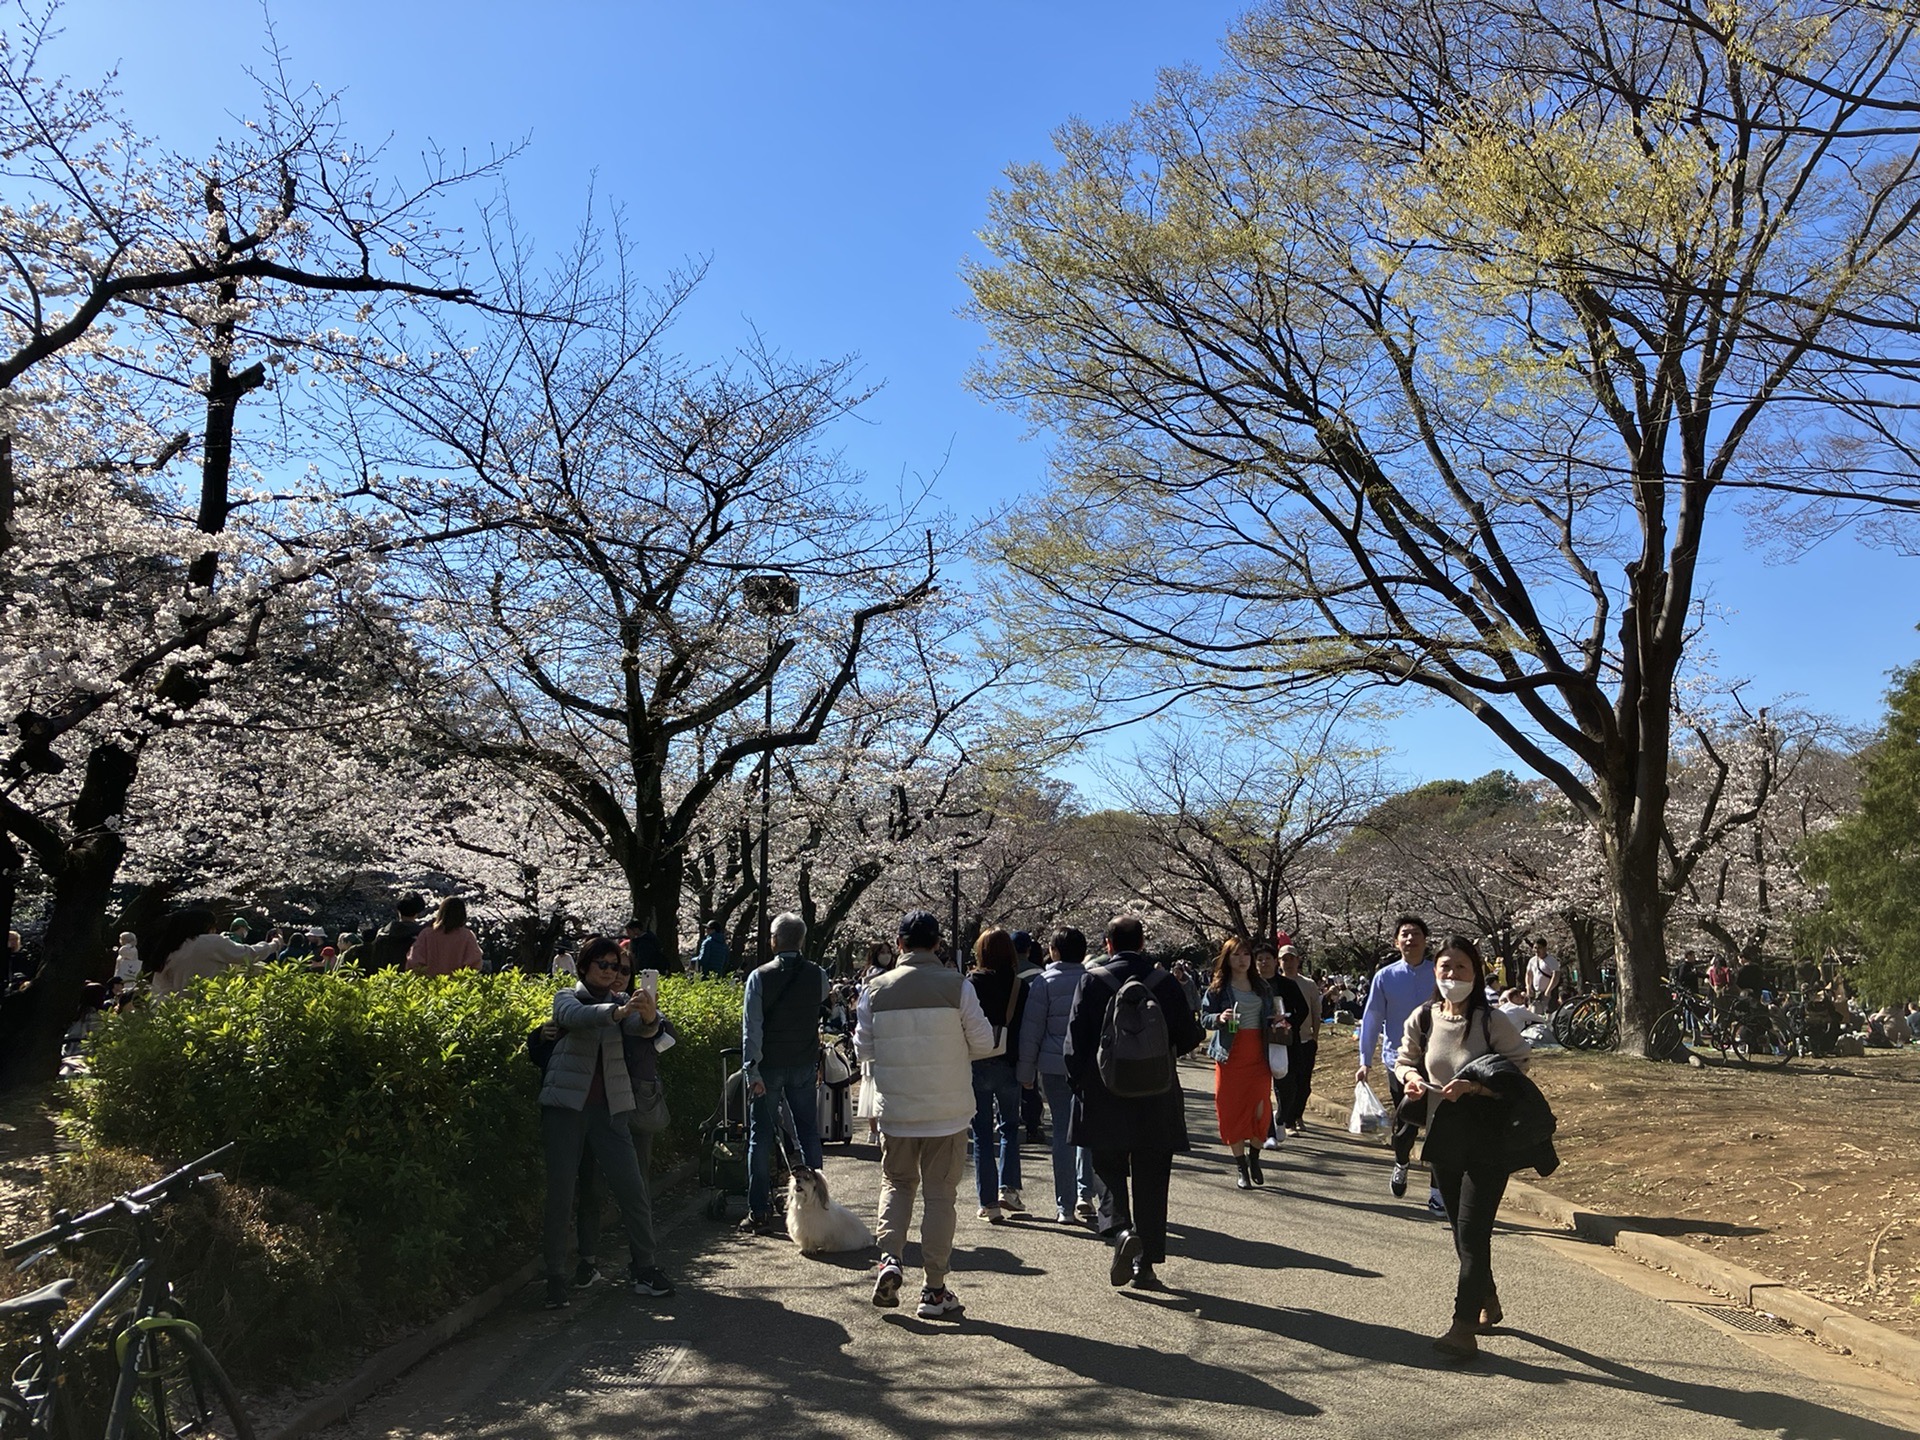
[(615, 501), (146, 294)]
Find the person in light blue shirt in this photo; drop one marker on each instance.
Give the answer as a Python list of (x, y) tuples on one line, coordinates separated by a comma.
[(1397, 991)]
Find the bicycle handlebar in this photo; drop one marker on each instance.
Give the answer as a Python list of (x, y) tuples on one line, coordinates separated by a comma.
[(167, 1187)]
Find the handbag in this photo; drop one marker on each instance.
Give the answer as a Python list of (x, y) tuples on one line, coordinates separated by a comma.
[(1000, 1031), (650, 1106), (866, 1105)]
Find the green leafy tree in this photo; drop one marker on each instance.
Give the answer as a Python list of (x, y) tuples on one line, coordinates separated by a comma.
[(1870, 861), (1426, 345)]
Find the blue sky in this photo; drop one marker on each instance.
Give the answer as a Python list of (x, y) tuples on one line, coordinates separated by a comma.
[(834, 162)]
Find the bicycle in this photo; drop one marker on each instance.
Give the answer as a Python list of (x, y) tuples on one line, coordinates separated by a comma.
[(1740, 1028), (1587, 1023), (170, 1386)]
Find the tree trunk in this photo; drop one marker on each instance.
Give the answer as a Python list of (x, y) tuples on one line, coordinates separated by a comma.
[(76, 936), (1639, 936), (655, 887), (12, 862)]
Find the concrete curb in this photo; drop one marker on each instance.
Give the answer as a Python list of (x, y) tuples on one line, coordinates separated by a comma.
[(388, 1365), (1865, 1341)]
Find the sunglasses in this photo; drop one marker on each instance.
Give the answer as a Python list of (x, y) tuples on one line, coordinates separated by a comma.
[(611, 965)]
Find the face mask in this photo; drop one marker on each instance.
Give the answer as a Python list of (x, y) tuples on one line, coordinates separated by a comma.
[(1456, 990)]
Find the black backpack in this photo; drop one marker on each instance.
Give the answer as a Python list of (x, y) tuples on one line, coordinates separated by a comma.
[(1135, 1057)]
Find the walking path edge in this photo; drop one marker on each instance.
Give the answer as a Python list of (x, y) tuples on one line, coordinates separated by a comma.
[(386, 1366), (1862, 1340)]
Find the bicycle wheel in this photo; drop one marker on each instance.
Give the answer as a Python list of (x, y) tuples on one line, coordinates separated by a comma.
[(181, 1393), (1562, 1024), (1761, 1044), (1666, 1037)]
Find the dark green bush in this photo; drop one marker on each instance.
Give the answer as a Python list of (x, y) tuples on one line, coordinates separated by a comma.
[(706, 1013), (401, 1112)]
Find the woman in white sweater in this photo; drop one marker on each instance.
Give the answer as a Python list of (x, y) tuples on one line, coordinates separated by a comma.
[(1466, 1126), (192, 949)]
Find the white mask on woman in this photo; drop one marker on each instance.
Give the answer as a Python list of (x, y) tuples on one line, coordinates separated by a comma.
[(1456, 990)]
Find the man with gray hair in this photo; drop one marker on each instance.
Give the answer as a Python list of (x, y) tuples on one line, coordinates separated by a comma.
[(780, 1057)]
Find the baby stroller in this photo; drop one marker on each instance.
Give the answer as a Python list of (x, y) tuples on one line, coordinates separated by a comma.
[(723, 1142)]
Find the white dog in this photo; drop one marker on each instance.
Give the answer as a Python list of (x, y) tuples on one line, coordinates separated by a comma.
[(818, 1223)]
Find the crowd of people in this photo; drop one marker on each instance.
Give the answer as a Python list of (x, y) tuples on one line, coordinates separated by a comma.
[(950, 1059), (968, 1062)]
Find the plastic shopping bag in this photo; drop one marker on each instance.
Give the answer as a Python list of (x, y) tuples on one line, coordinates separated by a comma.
[(1277, 1061), (1368, 1113)]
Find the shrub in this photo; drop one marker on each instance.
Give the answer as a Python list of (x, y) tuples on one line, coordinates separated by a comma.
[(706, 1015), (399, 1107), (271, 1278), (389, 1123)]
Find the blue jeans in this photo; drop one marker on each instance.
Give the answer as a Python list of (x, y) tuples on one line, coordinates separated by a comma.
[(994, 1086), (795, 1085), (1073, 1177)]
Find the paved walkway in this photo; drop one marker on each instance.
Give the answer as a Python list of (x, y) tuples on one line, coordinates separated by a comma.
[(1305, 1309)]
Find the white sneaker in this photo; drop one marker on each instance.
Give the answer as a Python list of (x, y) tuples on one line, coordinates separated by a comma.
[(1270, 1144), (991, 1213), (1086, 1210), (1010, 1199), (1062, 1215), (934, 1304)]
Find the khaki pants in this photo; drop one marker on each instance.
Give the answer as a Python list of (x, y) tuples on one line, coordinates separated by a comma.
[(934, 1165)]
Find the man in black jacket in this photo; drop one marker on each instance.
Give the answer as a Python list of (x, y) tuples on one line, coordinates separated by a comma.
[(1133, 1141), (396, 937)]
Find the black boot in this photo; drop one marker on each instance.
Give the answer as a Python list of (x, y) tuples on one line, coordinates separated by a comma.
[(1253, 1166), (1245, 1182)]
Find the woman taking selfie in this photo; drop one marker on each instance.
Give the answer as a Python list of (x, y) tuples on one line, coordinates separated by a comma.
[(1466, 1126), (587, 1104), (1236, 1010)]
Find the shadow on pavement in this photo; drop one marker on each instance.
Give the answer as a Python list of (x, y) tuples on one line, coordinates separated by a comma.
[(1766, 1411), (1356, 1339), (1212, 1248), (992, 1260), (1138, 1368)]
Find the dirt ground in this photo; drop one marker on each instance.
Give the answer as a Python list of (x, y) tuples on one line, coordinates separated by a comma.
[(27, 1139), (1810, 1174)]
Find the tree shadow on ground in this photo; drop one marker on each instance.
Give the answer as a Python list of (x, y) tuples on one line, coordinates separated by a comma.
[(1141, 1369), (1356, 1339), (1769, 1412)]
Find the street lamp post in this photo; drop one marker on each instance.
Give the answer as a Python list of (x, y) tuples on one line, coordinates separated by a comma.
[(771, 597)]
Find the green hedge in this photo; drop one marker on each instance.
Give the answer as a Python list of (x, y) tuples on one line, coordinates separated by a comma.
[(399, 1114)]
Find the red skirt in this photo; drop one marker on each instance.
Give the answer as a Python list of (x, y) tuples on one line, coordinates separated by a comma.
[(1243, 1090)]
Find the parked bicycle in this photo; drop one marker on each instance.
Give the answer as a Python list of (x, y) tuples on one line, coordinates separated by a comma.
[(1590, 1022), (170, 1386), (1739, 1026)]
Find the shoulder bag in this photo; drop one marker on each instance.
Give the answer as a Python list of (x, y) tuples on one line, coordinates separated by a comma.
[(1000, 1030)]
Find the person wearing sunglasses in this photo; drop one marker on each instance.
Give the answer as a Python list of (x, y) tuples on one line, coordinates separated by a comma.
[(586, 1102)]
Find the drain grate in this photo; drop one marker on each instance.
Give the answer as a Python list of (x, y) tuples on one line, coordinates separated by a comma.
[(1741, 1318)]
